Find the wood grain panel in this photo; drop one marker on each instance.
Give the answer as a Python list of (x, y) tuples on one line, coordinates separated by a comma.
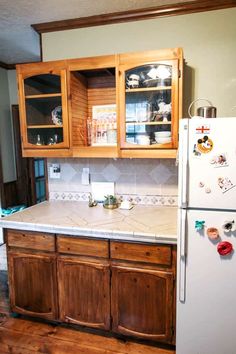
[(101, 96), (31, 240), (84, 292), (160, 254), (83, 246), (142, 303), (32, 284), (79, 110)]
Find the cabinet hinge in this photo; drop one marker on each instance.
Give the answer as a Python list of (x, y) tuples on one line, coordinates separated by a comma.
[(179, 73)]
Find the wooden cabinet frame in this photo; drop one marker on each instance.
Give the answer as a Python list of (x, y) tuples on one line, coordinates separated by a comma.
[(99, 306), (120, 63), (29, 70), (129, 271), (50, 294), (61, 278)]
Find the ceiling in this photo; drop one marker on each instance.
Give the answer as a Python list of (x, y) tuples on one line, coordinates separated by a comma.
[(19, 43)]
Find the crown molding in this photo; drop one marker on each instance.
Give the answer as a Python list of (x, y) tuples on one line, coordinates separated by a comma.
[(135, 15)]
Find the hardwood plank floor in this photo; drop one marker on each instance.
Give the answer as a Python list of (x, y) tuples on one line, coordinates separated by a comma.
[(25, 336)]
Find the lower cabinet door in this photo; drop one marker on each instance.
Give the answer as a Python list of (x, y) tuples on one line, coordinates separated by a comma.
[(142, 303), (84, 292), (32, 285)]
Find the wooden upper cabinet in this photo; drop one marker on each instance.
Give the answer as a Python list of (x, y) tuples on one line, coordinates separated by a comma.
[(150, 85), (124, 105), (93, 106), (43, 108)]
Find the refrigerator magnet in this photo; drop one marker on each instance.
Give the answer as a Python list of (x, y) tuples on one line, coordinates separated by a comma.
[(208, 190), (203, 129), (225, 184), (219, 160), (213, 233), (199, 225), (229, 226), (204, 144), (196, 153), (224, 248)]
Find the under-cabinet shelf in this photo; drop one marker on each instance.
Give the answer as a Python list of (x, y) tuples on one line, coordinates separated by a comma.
[(148, 123), (44, 126), (143, 89), (43, 95)]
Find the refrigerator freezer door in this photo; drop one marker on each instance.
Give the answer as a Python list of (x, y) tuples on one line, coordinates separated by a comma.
[(212, 163), (206, 320)]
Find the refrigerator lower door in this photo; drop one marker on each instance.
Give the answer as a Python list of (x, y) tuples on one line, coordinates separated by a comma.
[(206, 319)]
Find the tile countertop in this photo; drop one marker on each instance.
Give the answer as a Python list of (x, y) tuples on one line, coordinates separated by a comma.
[(141, 223)]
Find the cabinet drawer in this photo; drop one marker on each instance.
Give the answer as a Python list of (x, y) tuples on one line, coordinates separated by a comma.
[(31, 240), (158, 254), (83, 246)]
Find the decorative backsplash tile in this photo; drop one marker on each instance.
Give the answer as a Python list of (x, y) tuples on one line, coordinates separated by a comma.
[(143, 181)]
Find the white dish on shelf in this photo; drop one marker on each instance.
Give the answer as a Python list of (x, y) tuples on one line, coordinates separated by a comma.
[(162, 134), (143, 140), (163, 140)]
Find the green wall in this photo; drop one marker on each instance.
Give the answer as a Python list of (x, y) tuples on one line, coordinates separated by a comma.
[(208, 40)]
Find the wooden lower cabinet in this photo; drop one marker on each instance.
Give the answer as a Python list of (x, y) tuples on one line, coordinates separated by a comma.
[(32, 284), (84, 292), (142, 302), (127, 288)]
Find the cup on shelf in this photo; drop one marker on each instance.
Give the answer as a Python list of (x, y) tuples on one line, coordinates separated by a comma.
[(143, 139)]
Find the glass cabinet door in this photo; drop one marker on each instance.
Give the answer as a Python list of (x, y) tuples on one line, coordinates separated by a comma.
[(148, 105), (45, 111)]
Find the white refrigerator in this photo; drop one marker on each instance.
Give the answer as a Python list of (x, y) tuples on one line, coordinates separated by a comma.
[(206, 261)]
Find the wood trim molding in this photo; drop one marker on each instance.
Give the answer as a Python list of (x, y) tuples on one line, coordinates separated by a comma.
[(135, 15)]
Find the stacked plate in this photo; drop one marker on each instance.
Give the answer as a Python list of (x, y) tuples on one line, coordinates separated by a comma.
[(163, 137)]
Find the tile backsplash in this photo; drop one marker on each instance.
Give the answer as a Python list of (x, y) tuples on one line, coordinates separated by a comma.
[(144, 181)]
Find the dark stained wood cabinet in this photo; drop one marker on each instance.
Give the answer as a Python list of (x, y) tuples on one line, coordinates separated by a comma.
[(142, 301), (143, 290), (84, 292), (125, 287), (32, 273), (84, 281), (32, 283)]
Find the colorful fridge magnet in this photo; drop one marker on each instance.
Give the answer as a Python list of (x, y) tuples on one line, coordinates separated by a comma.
[(199, 225), (204, 145), (213, 233), (229, 226), (224, 248), (195, 151), (203, 129), (219, 160), (225, 184)]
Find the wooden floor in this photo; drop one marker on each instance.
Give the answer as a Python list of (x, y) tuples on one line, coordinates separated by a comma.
[(24, 336)]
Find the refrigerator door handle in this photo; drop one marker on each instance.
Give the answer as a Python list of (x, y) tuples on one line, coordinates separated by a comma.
[(182, 233), (182, 255), (183, 164)]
